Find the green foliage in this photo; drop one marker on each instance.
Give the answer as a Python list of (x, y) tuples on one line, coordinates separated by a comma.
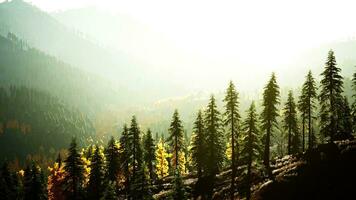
[(306, 106), (110, 192), (331, 99), (291, 124), (75, 170), (112, 156), (125, 157), (175, 138), (269, 115), (95, 186), (178, 192), (214, 139), (149, 154), (199, 146)]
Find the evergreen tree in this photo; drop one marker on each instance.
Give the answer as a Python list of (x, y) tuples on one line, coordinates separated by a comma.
[(27, 184), (250, 143), (306, 106), (8, 187), (214, 139), (231, 121), (346, 118), (149, 154), (125, 156), (354, 103), (95, 187), (290, 124), (112, 160), (110, 192), (161, 160), (178, 192), (33, 183), (74, 173), (175, 138), (269, 117), (199, 144), (331, 99)]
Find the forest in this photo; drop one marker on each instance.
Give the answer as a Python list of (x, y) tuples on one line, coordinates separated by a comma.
[(138, 165)]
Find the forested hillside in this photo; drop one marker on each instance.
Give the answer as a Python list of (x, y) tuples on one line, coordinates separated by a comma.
[(35, 123)]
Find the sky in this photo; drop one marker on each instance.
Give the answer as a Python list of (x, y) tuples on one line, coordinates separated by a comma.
[(267, 34)]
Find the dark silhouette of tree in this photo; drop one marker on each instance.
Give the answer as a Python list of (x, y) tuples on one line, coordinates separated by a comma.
[(9, 185), (346, 118), (74, 173), (178, 192), (112, 157), (149, 154), (291, 124), (95, 186), (125, 157), (331, 99), (231, 121), (175, 138), (269, 117), (306, 106), (354, 104), (34, 186), (250, 143), (199, 147)]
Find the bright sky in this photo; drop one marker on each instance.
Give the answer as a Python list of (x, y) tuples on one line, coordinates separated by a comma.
[(264, 33)]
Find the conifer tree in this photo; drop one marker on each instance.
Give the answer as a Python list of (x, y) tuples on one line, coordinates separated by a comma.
[(199, 144), (125, 156), (161, 160), (269, 117), (95, 187), (214, 139), (74, 173), (331, 99), (34, 187), (110, 192), (250, 143), (354, 102), (149, 154), (231, 121), (175, 138), (346, 118), (306, 106), (290, 124), (178, 187), (112, 160), (8, 186)]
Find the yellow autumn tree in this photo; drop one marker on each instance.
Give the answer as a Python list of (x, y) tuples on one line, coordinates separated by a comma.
[(161, 160), (56, 182), (182, 162)]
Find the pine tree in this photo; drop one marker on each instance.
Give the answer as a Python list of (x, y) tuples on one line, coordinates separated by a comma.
[(250, 143), (231, 121), (178, 192), (8, 187), (354, 103), (290, 124), (214, 139), (306, 106), (74, 173), (161, 160), (112, 159), (149, 154), (346, 118), (331, 99), (125, 157), (199, 144), (34, 186), (110, 192), (95, 187), (175, 138), (269, 117)]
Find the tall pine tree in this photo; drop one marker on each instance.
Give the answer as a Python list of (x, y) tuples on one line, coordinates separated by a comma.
[(95, 187), (74, 173), (175, 138), (125, 157), (269, 117), (290, 124), (112, 157), (250, 143), (199, 144), (331, 99), (306, 106), (354, 103), (149, 154), (231, 121)]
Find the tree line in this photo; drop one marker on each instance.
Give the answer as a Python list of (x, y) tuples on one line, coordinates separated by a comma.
[(135, 166)]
